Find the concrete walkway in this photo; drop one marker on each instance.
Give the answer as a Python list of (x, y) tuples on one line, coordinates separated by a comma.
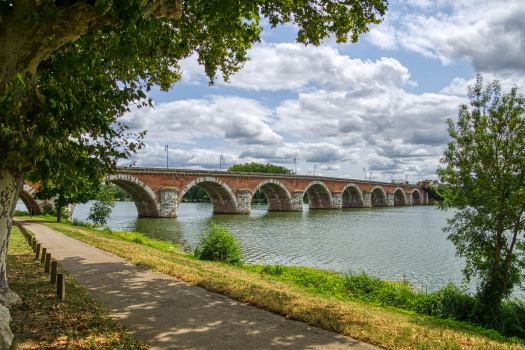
[(167, 313)]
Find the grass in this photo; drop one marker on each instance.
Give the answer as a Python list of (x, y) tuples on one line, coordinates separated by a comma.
[(311, 296), (44, 322), (449, 303)]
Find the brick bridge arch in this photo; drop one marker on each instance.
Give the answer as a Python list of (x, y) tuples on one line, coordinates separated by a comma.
[(221, 195), (400, 197), (352, 197), (378, 197), (416, 197), (319, 196), (34, 206), (277, 195), (145, 199)]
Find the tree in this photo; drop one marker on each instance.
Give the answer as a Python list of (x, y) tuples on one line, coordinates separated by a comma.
[(63, 196), (70, 68), (485, 165), (100, 211), (260, 168)]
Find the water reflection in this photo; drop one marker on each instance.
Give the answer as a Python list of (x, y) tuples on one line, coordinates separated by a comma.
[(391, 243)]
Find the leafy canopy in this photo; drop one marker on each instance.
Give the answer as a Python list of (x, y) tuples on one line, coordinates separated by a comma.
[(260, 168), (485, 164), (62, 121)]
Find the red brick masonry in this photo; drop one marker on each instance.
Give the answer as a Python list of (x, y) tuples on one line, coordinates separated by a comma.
[(158, 192)]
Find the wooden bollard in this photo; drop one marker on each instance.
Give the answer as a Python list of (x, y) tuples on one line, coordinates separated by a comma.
[(53, 272), (61, 286), (47, 264), (30, 240), (43, 258), (34, 245), (37, 253)]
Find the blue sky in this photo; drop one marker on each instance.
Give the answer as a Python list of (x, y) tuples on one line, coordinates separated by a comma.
[(380, 104)]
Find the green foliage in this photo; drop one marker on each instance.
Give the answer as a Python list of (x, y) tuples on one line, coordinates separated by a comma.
[(119, 193), (436, 193), (196, 192), (260, 168), (63, 194), (21, 213), (78, 222), (68, 125), (218, 244), (48, 209), (485, 165), (101, 209)]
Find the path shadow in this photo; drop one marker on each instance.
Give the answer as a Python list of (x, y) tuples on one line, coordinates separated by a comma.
[(167, 313)]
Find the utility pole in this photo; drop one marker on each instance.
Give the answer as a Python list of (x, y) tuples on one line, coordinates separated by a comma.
[(295, 162), (370, 176), (166, 149), (221, 158), (364, 169), (315, 167)]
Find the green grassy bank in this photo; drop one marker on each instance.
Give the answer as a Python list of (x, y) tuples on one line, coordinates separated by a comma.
[(44, 322), (321, 298)]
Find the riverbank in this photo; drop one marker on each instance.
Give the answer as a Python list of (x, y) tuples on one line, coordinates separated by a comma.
[(42, 321), (387, 327)]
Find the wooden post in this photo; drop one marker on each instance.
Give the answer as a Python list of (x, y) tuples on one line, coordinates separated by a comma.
[(30, 240), (47, 264), (43, 258), (34, 245), (37, 253), (53, 272), (61, 286)]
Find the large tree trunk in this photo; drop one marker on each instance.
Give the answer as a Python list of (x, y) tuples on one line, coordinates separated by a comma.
[(10, 186)]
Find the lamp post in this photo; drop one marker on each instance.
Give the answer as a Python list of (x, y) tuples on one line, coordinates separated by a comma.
[(370, 176), (406, 178), (295, 162), (166, 149), (364, 169), (315, 167), (221, 158)]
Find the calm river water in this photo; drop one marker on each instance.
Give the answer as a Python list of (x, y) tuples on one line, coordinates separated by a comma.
[(391, 243)]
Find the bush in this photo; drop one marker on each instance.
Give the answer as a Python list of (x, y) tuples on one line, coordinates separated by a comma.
[(218, 244), (21, 213)]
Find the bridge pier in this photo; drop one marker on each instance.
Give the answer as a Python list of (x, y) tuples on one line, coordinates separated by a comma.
[(409, 199), (297, 200), (390, 197), (168, 202), (367, 199), (337, 198), (244, 201)]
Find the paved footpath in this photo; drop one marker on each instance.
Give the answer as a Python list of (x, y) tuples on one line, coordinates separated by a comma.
[(167, 313)]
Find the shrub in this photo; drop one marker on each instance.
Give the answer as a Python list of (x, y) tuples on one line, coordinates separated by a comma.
[(218, 244), (21, 213)]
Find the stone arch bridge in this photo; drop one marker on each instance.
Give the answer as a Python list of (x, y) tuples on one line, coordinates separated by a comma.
[(158, 192)]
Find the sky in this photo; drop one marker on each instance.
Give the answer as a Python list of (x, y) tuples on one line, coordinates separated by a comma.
[(380, 104)]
